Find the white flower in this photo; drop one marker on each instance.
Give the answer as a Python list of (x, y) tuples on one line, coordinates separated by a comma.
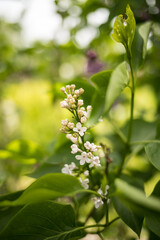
[(84, 183), (83, 158), (86, 173), (70, 137), (91, 146), (87, 114), (100, 191), (106, 190), (64, 104), (95, 162), (81, 130), (68, 168), (74, 148), (87, 145), (97, 202), (64, 122)]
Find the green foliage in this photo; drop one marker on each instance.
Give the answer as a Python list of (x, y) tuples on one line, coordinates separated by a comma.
[(127, 215), (124, 29), (49, 186), (139, 46), (152, 218), (101, 82), (23, 151), (43, 221), (128, 135), (118, 81), (153, 153)]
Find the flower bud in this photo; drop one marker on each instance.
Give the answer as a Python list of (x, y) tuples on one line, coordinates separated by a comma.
[(64, 122), (70, 125), (80, 103), (73, 86), (89, 108), (68, 87), (81, 91), (76, 92), (64, 104), (63, 90), (83, 119)]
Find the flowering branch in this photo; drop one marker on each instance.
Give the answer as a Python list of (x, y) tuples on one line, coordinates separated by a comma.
[(86, 152)]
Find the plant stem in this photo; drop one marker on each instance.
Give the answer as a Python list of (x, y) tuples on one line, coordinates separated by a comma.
[(132, 100), (131, 112), (101, 236)]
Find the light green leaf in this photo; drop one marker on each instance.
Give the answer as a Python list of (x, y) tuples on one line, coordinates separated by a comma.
[(137, 196), (23, 151), (153, 154), (139, 45), (128, 216), (118, 81), (49, 186), (42, 221), (124, 28)]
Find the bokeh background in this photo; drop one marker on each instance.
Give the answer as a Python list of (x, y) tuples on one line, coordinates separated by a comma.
[(44, 44)]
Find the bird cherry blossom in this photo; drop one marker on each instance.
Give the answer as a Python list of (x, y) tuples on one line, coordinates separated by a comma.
[(83, 158), (79, 129), (68, 169)]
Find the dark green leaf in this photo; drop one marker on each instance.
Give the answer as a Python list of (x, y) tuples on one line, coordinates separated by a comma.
[(42, 221), (153, 154), (49, 186), (46, 168), (128, 216), (101, 81), (119, 80), (142, 130), (153, 218)]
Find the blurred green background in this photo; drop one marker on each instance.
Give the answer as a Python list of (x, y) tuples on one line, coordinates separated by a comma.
[(44, 44), (33, 67)]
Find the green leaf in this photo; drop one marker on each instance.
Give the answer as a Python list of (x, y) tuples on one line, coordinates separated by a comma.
[(23, 151), (6, 213), (153, 219), (136, 196), (124, 28), (139, 46), (153, 154), (128, 216), (46, 168), (49, 186), (142, 130), (42, 221), (119, 80), (101, 81)]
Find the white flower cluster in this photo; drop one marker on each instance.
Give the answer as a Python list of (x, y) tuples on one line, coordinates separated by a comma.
[(98, 200), (75, 132)]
